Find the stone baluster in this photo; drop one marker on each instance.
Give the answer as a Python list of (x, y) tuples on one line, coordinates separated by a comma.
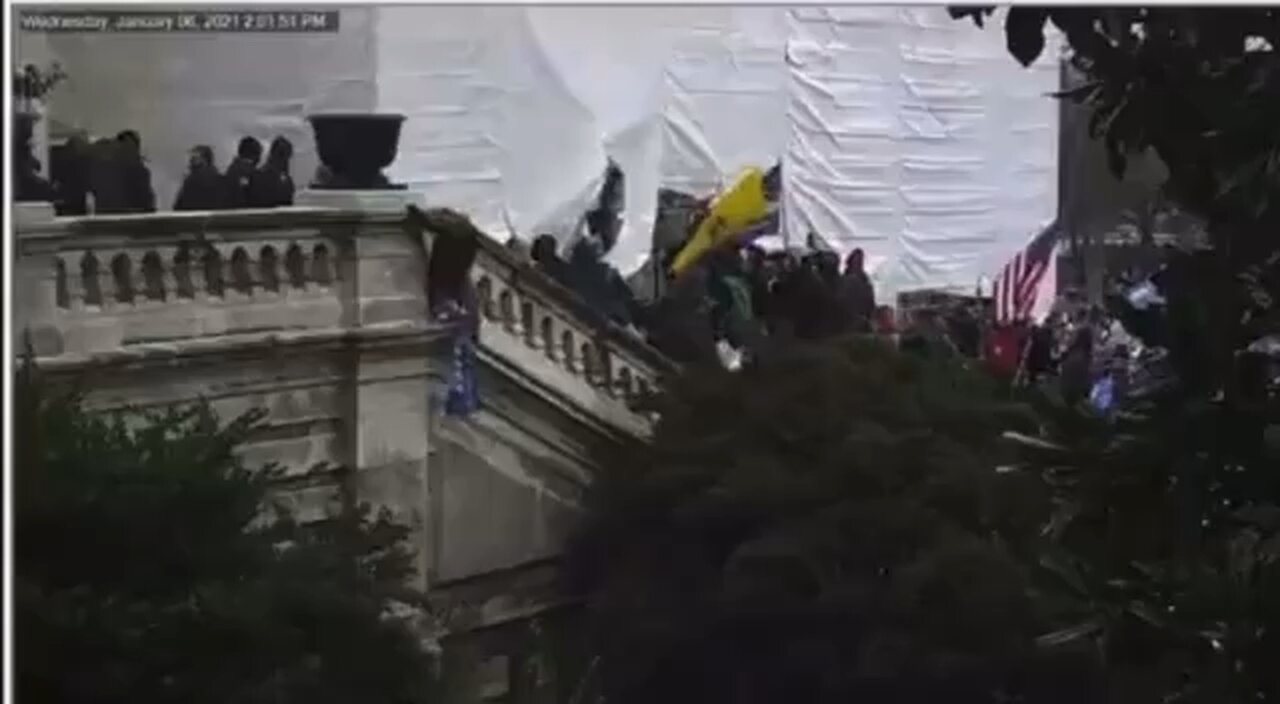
[(485, 296), (107, 281), (74, 281), (168, 276), (199, 276), (568, 355), (507, 308), (547, 335), (529, 324), (269, 270), (295, 269), (604, 368), (240, 273), (35, 288), (229, 292), (623, 384)]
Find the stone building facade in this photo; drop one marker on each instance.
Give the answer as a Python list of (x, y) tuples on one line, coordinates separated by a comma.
[(317, 315)]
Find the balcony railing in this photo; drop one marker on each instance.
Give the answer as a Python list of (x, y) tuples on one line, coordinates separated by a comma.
[(101, 287)]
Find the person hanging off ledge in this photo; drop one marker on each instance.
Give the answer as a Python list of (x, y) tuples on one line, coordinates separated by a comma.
[(451, 297)]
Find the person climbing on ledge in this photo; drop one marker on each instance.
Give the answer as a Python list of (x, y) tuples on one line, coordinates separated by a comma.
[(452, 298)]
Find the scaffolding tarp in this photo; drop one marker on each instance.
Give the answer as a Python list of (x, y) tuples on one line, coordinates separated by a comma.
[(900, 131)]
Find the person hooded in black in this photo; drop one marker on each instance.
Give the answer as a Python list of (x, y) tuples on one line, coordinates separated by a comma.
[(70, 166), (239, 174), (271, 186), (203, 188), (134, 175), (857, 295), (805, 298), (547, 259)]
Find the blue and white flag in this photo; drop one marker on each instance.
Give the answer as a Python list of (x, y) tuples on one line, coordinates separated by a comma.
[(461, 397), (1102, 395)]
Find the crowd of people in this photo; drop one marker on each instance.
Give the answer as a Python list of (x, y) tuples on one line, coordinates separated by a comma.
[(730, 305), (738, 301), (1083, 352), (110, 175)]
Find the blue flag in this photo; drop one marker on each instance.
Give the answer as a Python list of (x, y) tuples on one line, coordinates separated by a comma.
[(1102, 395), (461, 398)]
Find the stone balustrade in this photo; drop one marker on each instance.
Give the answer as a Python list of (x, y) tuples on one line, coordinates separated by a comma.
[(550, 329), (102, 287), (97, 285)]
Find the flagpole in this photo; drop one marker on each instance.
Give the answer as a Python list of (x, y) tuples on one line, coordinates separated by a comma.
[(1024, 355)]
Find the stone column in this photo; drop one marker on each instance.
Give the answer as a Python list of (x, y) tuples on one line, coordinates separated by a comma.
[(35, 285), (387, 395)]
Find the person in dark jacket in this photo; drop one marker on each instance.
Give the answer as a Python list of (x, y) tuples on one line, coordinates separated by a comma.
[(203, 188), (623, 306), (239, 174), (832, 320), (682, 327), (732, 315), (810, 299), (135, 177), (271, 186), (593, 280), (105, 184), (1040, 352), (965, 330), (780, 301), (453, 299), (758, 270), (70, 167), (1077, 363), (857, 295), (547, 259)]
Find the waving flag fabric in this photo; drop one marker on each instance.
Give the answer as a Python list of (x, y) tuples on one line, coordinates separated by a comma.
[(744, 210), (1027, 279)]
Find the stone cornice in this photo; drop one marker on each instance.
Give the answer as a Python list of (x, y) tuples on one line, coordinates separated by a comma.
[(520, 271), (143, 224), (99, 291), (371, 338)]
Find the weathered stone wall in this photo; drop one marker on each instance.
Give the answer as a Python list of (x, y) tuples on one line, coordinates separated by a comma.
[(317, 316)]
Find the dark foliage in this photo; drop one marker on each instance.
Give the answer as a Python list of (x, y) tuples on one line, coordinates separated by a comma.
[(1166, 541), (825, 526), (1198, 85), (151, 567)]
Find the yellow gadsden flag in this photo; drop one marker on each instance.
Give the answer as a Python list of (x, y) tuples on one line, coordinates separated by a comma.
[(738, 207)]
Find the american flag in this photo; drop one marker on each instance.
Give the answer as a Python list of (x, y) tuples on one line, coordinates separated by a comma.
[(1029, 281)]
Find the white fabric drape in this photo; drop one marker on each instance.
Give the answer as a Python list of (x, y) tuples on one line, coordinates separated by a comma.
[(900, 131)]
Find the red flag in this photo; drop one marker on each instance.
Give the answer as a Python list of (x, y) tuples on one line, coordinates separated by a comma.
[(1004, 349)]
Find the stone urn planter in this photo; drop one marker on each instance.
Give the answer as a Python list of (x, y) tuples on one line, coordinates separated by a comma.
[(29, 88), (354, 148), (28, 185)]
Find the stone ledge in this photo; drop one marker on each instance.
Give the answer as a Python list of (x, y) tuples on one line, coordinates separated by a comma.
[(498, 597), (30, 214), (375, 336), (593, 408), (196, 220), (372, 202)]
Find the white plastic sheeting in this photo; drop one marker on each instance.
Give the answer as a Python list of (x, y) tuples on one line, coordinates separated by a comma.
[(726, 105), (918, 139), (901, 131)]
